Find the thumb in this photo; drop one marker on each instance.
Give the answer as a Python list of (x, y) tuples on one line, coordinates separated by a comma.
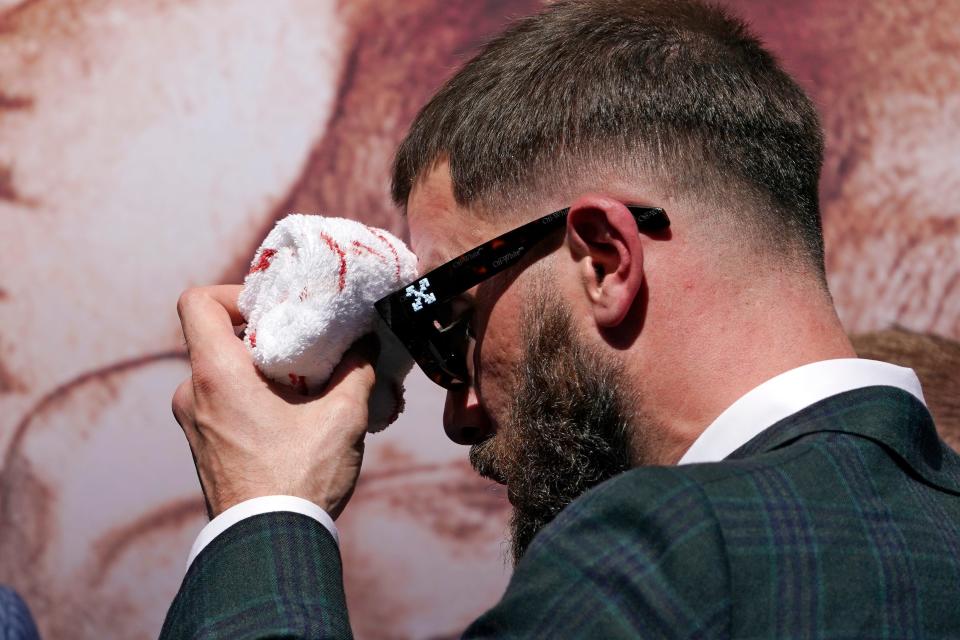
[(354, 376)]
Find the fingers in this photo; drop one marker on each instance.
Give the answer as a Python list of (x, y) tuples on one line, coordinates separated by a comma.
[(207, 316), (227, 295), (354, 376)]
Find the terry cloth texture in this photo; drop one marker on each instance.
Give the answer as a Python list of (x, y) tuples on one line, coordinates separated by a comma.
[(309, 295)]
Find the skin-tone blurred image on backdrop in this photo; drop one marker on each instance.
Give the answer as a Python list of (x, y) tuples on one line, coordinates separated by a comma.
[(146, 147)]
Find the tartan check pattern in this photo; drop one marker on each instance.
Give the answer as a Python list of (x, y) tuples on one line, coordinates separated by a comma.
[(274, 575), (16, 623), (841, 521)]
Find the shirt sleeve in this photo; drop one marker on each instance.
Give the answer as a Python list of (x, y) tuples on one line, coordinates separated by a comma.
[(256, 506)]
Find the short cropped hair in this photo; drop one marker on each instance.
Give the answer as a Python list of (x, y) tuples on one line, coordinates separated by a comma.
[(678, 91)]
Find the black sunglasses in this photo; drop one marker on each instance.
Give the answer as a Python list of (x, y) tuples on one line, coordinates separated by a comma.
[(421, 316)]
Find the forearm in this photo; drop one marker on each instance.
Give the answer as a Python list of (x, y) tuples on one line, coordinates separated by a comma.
[(271, 575)]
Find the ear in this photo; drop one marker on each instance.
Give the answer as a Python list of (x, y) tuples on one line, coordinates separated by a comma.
[(605, 243)]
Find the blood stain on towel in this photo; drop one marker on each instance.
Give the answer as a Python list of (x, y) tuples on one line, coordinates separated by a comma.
[(393, 250), (343, 258), (299, 382), (266, 256), (357, 246)]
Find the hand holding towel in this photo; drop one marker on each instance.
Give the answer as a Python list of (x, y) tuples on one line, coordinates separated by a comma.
[(309, 295)]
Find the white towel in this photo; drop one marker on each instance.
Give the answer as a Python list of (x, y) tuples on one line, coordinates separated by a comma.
[(309, 295)]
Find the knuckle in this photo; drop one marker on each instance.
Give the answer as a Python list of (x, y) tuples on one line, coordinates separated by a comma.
[(181, 394), (215, 373), (179, 400), (187, 299), (181, 403), (204, 381), (344, 408), (338, 406)]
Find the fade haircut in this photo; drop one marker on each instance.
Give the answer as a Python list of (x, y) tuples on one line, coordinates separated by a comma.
[(676, 91)]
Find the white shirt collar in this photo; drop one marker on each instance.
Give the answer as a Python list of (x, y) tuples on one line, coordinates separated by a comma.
[(788, 393)]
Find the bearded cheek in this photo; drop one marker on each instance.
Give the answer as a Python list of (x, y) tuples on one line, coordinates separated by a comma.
[(497, 381)]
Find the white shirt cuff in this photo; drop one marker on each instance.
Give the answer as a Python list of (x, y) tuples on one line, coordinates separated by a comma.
[(255, 507)]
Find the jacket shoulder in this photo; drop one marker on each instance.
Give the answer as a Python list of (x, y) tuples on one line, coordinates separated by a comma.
[(818, 531), (640, 555)]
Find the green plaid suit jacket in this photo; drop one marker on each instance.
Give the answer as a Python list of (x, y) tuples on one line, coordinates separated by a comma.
[(841, 521)]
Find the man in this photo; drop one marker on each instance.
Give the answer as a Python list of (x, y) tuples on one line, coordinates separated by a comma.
[(655, 370)]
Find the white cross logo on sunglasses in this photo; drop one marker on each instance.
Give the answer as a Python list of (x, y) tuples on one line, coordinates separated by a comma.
[(421, 297)]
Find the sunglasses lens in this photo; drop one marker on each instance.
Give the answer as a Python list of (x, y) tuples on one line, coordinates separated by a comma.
[(446, 345), (436, 339)]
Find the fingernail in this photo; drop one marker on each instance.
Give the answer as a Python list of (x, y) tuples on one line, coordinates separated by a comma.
[(369, 347)]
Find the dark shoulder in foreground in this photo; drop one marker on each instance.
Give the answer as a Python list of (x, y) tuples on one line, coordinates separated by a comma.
[(639, 556), (831, 535)]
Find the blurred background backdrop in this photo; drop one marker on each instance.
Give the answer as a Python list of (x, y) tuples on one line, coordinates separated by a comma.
[(148, 145)]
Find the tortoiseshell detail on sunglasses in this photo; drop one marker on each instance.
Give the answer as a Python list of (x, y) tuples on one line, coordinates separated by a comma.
[(419, 313)]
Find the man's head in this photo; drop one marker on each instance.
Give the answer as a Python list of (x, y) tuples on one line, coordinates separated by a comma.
[(678, 93), (608, 345)]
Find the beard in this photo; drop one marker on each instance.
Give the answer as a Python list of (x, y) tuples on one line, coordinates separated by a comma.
[(568, 427)]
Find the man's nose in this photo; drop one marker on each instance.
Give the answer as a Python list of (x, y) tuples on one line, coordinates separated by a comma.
[(464, 419)]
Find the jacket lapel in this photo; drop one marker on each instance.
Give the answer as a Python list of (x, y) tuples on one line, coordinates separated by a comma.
[(887, 415)]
